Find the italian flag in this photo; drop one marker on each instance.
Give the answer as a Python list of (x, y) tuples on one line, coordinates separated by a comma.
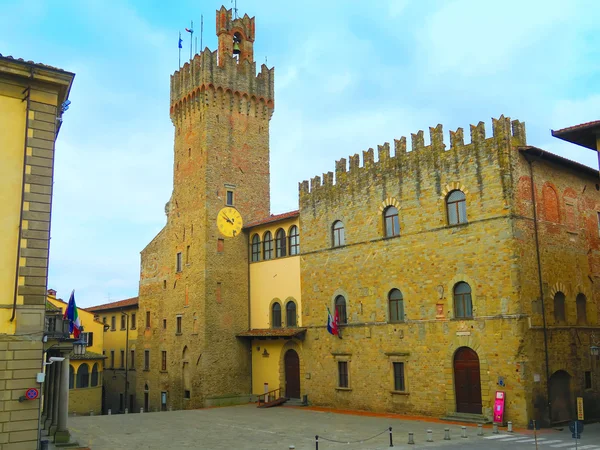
[(72, 316)]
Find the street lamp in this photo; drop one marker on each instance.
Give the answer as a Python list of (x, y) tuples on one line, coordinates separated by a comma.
[(594, 347), (79, 347)]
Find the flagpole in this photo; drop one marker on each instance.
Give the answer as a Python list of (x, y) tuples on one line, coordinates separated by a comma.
[(191, 37), (201, 30), (179, 45)]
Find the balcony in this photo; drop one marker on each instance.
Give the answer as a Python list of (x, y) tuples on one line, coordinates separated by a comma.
[(55, 327)]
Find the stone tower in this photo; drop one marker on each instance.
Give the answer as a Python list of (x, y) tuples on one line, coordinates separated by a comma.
[(194, 279)]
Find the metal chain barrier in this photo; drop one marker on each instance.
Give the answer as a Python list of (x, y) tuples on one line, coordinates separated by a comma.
[(387, 430)]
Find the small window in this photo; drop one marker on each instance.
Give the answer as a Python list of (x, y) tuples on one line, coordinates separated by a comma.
[(147, 319), (164, 324), (123, 324), (339, 235), (559, 307), (588, 380), (268, 246), (164, 284), (179, 319), (133, 321), (230, 198), (463, 306), (83, 376), (391, 222), (179, 262), (104, 319), (276, 315), (399, 376), (163, 363), (122, 359), (396, 302), (343, 374), (294, 241), (132, 357), (290, 314), (456, 204), (220, 245), (255, 248), (340, 309), (112, 359), (113, 323), (581, 309), (146, 359), (187, 255), (187, 394), (280, 244)]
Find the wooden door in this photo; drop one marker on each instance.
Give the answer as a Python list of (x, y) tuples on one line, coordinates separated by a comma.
[(467, 383), (560, 397), (292, 374)]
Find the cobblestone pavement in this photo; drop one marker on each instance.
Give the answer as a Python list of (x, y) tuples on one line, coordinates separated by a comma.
[(246, 427)]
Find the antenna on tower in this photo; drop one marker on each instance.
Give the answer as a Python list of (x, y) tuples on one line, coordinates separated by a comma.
[(235, 9), (201, 30)]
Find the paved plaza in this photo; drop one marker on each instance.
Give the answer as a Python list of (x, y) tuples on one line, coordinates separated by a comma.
[(246, 427)]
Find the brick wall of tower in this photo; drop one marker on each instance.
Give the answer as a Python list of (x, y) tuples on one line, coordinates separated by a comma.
[(221, 116)]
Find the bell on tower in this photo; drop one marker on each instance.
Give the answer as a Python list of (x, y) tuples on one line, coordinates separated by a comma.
[(236, 36)]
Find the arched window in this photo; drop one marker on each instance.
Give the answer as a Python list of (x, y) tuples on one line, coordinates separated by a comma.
[(267, 246), (71, 376), (290, 314), (340, 309), (396, 302), (94, 375), (581, 309), (255, 248), (280, 244), (456, 204), (276, 315), (463, 306), (391, 222), (294, 241), (339, 235), (559, 307), (83, 376)]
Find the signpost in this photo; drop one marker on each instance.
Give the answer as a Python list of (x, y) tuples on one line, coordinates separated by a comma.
[(576, 426)]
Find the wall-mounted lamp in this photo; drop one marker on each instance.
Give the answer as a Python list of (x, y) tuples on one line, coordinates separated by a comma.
[(594, 345)]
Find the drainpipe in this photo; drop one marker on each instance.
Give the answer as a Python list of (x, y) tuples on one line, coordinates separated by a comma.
[(539, 266), (27, 93)]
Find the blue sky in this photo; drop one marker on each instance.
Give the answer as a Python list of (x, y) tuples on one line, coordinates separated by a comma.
[(348, 75)]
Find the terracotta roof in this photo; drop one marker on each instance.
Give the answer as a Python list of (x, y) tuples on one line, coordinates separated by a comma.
[(273, 218), (133, 301), (584, 134), (274, 333), (21, 60), (559, 160)]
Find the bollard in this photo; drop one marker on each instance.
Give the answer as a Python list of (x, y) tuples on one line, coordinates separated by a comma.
[(446, 434), (317, 442), (510, 430), (391, 441), (495, 428), (141, 410), (479, 429), (126, 410), (429, 436), (109, 412), (464, 432), (291, 447), (91, 412), (411, 438)]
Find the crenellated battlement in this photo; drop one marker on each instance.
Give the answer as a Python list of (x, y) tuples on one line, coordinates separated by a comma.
[(205, 81), (504, 134)]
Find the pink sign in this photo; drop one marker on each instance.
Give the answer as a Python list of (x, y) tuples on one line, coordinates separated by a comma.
[(499, 407)]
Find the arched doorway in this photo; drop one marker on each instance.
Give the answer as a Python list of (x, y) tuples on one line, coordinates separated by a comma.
[(467, 384), (292, 374), (560, 396)]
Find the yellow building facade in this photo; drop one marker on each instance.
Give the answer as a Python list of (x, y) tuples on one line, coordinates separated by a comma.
[(31, 107), (120, 323), (85, 371), (276, 331)]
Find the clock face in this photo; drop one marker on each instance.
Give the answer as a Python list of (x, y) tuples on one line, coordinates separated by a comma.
[(229, 222)]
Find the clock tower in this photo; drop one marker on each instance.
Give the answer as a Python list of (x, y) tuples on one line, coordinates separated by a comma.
[(194, 295)]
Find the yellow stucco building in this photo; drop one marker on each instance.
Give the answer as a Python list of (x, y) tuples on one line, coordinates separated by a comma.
[(32, 102), (120, 336), (85, 371)]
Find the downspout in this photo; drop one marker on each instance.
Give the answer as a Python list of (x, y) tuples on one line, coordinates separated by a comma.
[(250, 309), (27, 92), (540, 282)]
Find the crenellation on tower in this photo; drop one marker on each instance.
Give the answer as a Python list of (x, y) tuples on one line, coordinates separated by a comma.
[(315, 182), (436, 152), (328, 179)]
